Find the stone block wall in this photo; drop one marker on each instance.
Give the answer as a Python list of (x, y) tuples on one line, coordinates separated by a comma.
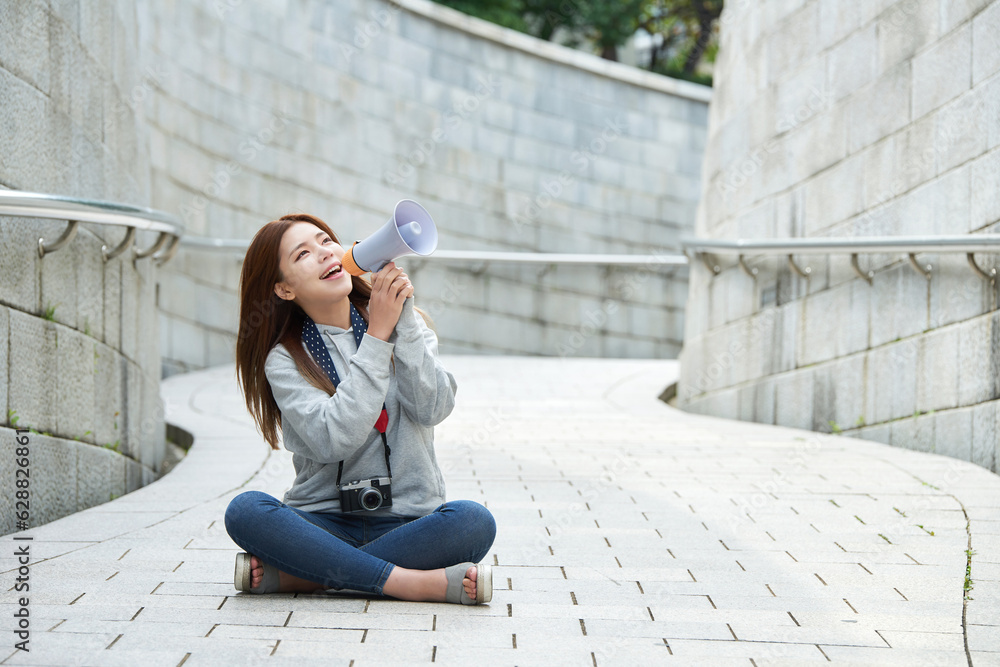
[(78, 336), (342, 109), (834, 119)]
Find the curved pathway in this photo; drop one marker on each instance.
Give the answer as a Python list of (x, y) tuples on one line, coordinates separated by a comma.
[(629, 533)]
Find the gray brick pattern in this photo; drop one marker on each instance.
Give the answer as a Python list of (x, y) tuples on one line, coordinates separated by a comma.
[(349, 107), (73, 117), (851, 119)]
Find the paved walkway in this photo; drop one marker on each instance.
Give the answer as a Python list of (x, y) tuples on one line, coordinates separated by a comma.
[(629, 533)]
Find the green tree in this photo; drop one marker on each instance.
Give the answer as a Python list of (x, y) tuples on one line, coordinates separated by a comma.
[(508, 13), (608, 25), (686, 27)]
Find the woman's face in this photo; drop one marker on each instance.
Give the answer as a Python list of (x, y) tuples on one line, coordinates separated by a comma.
[(306, 256)]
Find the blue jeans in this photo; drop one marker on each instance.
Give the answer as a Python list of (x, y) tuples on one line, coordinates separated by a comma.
[(353, 550)]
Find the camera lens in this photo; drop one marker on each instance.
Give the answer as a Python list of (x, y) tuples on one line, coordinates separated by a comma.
[(370, 499)]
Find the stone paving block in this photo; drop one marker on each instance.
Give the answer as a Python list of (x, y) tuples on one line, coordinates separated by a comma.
[(419, 639), (242, 659), (895, 656), (367, 651), (760, 652), (152, 658), (784, 604), (901, 639), (60, 612), (507, 626), (844, 634), (92, 626), (456, 655), (60, 649), (330, 619), (494, 608), (222, 647), (302, 603), (880, 622), (581, 611), (717, 630), (273, 633)]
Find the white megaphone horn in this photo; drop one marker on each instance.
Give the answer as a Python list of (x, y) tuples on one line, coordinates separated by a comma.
[(410, 230)]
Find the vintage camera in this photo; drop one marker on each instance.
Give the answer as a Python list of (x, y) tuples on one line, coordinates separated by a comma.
[(366, 494)]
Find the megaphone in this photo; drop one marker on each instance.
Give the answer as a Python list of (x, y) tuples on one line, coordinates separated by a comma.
[(410, 230)]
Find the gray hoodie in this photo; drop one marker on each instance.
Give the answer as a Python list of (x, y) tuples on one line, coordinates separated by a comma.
[(322, 430)]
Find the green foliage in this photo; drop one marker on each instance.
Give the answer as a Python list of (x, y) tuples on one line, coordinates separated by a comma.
[(609, 25), (50, 312), (508, 13), (674, 68), (12, 418), (686, 29), (969, 553), (114, 446), (834, 427)]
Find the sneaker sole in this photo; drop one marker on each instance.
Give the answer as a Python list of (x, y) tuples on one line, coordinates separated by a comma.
[(241, 577), (484, 583)]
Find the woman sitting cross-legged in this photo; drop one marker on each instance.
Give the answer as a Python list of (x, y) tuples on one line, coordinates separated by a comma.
[(349, 372)]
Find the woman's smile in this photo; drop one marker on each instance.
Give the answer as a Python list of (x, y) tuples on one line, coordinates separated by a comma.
[(336, 269)]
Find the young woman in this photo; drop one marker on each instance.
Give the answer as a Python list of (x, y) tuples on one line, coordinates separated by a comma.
[(349, 371)]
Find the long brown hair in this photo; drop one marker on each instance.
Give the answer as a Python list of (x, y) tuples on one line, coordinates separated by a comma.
[(266, 320)]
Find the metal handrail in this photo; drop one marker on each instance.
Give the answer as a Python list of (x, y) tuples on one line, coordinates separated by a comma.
[(207, 243), (910, 245), (76, 210)]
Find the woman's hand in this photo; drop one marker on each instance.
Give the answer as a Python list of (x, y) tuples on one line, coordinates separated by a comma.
[(390, 286)]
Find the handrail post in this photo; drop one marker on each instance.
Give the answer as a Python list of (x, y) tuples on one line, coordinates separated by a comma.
[(161, 239), (66, 237), (867, 275), (121, 247), (795, 267), (925, 272), (979, 270)]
